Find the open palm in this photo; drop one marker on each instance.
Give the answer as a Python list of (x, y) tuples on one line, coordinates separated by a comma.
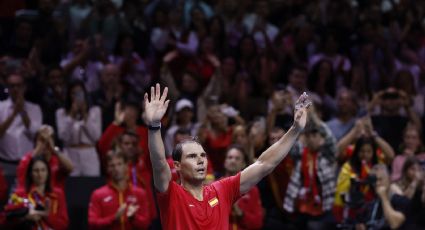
[(301, 108), (157, 106)]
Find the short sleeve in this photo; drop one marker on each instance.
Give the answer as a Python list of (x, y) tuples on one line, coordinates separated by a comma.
[(229, 187)]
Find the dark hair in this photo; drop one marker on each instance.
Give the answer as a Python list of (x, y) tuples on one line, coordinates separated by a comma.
[(28, 176), (115, 154), (128, 133), (314, 78), (121, 38), (355, 161), (178, 150), (68, 100), (410, 161), (240, 149)]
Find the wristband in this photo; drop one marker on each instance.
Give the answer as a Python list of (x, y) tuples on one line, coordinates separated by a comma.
[(154, 126)]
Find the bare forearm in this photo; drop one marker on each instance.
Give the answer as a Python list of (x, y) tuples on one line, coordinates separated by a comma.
[(268, 160), (275, 153), (65, 163), (161, 170), (394, 218), (386, 149)]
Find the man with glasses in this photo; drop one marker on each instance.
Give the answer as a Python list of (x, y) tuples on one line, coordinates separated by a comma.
[(19, 122)]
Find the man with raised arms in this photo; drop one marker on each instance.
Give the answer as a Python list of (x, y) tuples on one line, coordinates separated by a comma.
[(191, 204)]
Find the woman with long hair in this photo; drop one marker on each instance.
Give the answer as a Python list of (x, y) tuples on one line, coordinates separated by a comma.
[(44, 206), (412, 146), (411, 177), (356, 169)]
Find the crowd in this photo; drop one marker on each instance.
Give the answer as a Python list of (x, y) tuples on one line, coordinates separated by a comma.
[(73, 74)]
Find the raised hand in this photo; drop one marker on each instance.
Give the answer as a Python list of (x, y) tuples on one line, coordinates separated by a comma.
[(157, 106), (301, 106)]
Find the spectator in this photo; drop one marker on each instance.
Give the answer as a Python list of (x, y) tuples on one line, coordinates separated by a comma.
[(138, 172), (390, 102), (184, 111), (125, 119), (274, 192), (59, 164), (46, 204), (79, 127), (126, 206), (85, 61), (247, 212), (404, 82), (411, 177), (353, 179), (54, 95), (134, 70), (216, 135), (411, 147), (393, 209), (19, 122), (110, 92), (312, 183), (345, 118), (364, 128), (322, 82)]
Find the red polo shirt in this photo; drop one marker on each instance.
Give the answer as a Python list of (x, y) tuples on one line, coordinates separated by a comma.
[(58, 175), (181, 211), (105, 201)]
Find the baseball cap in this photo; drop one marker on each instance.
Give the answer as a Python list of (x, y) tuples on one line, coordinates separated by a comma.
[(183, 103)]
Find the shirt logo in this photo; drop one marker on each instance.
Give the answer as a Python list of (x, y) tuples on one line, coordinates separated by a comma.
[(191, 205), (213, 202), (107, 199)]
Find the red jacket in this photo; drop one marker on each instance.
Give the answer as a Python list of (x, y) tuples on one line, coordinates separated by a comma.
[(105, 201), (56, 203), (252, 218), (112, 132), (58, 175)]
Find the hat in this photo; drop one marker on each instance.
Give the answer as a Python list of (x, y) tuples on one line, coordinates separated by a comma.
[(183, 103)]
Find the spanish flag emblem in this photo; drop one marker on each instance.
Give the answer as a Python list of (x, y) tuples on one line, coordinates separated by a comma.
[(213, 202)]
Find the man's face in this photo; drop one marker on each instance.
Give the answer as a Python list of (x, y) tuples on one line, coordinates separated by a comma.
[(314, 140), (382, 178), (129, 145), (117, 169), (131, 115), (234, 161), (110, 74), (193, 163), (345, 103), (16, 86)]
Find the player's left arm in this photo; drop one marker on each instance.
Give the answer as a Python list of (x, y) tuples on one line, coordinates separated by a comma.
[(270, 158)]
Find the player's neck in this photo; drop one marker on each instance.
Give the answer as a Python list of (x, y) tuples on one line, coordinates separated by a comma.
[(195, 189)]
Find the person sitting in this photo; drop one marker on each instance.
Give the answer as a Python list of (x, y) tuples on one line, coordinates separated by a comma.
[(118, 205)]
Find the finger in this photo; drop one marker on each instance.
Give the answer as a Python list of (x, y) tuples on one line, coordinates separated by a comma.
[(158, 92), (152, 93), (166, 104), (164, 94), (146, 100)]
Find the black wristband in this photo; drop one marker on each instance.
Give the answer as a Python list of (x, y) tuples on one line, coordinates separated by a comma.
[(156, 127)]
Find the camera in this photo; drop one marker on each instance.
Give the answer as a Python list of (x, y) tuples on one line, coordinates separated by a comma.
[(390, 95)]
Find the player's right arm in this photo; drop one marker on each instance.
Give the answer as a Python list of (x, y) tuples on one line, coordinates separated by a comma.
[(155, 109)]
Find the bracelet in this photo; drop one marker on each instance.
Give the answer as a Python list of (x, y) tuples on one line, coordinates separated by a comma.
[(155, 126)]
